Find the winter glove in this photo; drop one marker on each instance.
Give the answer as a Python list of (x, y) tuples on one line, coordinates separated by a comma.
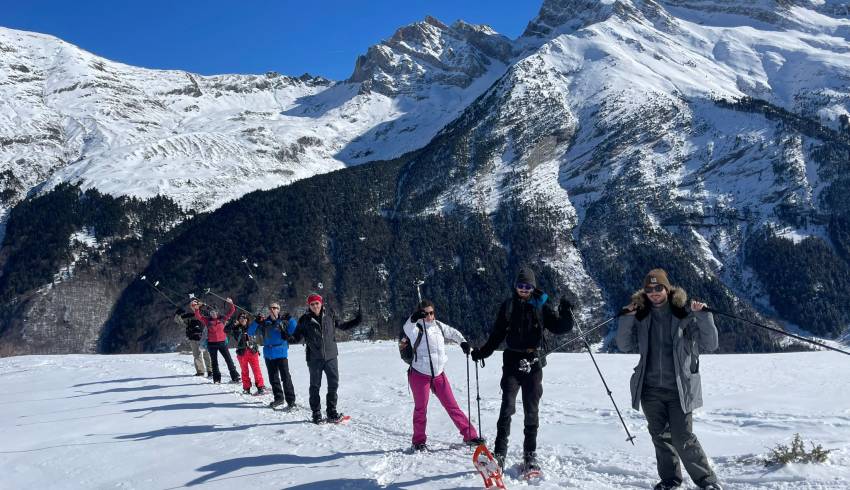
[(475, 354), (417, 315), (464, 346)]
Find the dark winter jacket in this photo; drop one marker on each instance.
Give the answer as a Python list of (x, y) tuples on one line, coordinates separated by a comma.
[(275, 341), (215, 327), (194, 328), (318, 332), (240, 333), (520, 324), (692, 332)]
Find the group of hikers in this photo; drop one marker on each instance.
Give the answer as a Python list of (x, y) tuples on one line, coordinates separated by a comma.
[(659, 323)]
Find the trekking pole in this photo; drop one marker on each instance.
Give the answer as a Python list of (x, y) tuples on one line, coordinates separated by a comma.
[(581, 336), (208, 291), (468, 394), (418, 283), (155, 288), (630, 437), (773, 329), (478, 399), (260, 288)]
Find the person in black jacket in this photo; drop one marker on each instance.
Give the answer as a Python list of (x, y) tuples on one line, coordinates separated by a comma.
[(520, 322), (317, 327), (194, 333)]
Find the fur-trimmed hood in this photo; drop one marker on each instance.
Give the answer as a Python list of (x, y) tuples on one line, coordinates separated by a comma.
[(677, 297)]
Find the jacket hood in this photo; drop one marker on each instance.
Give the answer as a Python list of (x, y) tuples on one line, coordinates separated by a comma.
[(677, 297)]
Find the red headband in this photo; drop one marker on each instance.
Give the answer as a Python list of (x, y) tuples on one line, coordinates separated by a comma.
[(314, 297)]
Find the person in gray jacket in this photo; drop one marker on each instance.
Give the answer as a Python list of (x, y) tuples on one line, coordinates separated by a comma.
[(669, 336)]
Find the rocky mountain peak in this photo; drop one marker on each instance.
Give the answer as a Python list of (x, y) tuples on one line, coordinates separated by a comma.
[(428, 52)]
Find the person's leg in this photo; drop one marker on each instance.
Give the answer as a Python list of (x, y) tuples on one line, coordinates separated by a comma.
[(687, 445), (420, 388), (443, 392), (510, 388), (213, 348), (243, 366), (274, 378), (532, 391), (225, 352), (655, 405), (331, 370), (315, 367), (254, 362), (286, 380), (196, 355), (207, 360)]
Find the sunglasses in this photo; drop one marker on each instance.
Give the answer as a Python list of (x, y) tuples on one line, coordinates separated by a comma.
[(274, 307), (524, 286), (314, 303), (430, 313), (653, 289)]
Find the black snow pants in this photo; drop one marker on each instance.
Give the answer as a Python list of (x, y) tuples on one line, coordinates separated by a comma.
[(531, 385), (216, 348), (330, 369)]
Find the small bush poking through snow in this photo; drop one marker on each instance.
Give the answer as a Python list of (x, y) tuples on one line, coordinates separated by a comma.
[(782, 454)]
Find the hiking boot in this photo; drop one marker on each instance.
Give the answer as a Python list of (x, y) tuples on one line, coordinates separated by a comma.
[(276, 403), (233, 381), (666, 485), (475, 441), (317, 417), (711, 486), (290, 407), (419, 448), (199, 374), (333, 417), (246, 392), (260, 390), (530, 462), (209, 374), (500, 460)]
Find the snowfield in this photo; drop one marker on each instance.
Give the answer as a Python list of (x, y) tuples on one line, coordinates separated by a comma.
[(143, 421)]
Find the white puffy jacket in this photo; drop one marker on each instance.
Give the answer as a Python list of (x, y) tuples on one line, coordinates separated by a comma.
[(438, 333)]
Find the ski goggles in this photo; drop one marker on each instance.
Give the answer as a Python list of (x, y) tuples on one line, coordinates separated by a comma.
[(524, 286), (653, 289)]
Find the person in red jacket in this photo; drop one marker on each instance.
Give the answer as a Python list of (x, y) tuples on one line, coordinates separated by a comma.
[(217, 339)]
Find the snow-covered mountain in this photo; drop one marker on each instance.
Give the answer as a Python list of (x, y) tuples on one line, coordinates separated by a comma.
[(149, 424), (68, 115)]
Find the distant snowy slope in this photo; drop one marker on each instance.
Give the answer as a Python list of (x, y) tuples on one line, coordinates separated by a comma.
[(68, 115), (143, 422)]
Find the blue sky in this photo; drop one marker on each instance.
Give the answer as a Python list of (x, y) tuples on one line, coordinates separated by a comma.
[(322, 37)]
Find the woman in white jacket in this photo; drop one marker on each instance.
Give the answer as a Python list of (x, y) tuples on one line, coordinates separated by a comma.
[(426, 373)]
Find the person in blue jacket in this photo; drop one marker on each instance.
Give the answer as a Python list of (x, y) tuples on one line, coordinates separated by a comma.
[(276, 330)]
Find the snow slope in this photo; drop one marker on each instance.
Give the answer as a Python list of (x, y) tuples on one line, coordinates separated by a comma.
[(142, 421)]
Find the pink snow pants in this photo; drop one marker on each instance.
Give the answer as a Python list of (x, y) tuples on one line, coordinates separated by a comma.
[(250, 358), (420, 385)]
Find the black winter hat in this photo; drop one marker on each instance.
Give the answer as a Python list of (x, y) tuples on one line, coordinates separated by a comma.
[(526, 275)]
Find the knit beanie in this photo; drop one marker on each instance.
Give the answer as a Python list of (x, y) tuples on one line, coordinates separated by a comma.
[(657, 276), (526, 276)]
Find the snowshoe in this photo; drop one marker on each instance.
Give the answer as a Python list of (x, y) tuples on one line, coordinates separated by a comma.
[(530, 467), (317, 418), (488, 467), (337, 418)]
